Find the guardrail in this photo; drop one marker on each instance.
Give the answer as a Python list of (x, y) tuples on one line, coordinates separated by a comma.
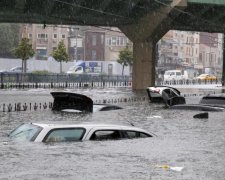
[(34, 106), (30, 80), (188, 82)]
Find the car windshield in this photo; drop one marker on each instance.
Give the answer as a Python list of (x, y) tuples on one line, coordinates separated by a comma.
[(25, 132), (168, 73)]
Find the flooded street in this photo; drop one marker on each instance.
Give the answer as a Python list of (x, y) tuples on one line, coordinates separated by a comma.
[(181, 141)]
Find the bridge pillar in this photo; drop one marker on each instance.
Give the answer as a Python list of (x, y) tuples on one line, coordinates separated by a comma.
[(144, 65), (144, 34)]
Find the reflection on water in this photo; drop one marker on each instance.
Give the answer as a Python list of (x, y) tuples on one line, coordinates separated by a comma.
[(195, 144)]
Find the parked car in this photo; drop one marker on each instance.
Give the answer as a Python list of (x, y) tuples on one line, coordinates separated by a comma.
[(75, 132), (3, 71), (206, 77), (17, 69), (173, 75)]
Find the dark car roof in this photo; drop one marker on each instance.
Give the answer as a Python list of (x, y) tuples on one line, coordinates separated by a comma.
[(68, 100)]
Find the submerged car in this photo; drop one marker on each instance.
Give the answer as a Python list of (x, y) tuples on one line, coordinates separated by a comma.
[(172, 98), (75, 132), (73, 102), (165, 94)]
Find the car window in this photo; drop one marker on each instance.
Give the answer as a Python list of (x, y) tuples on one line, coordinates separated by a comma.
[(100, 135), (136, 134), (63, 135), (25, 132), (178, 73)]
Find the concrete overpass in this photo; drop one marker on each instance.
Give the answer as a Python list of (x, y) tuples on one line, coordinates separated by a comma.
[(143, 21)]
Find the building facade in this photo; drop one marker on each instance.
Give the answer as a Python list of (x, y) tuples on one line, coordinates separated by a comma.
[(115, 41), (178, 50), (45, 40), (94, 46), (210, 56)]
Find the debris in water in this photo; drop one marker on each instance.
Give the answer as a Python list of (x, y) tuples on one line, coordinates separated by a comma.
[(170, 167)]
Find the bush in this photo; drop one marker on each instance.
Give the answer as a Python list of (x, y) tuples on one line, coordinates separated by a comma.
[(41, 72)]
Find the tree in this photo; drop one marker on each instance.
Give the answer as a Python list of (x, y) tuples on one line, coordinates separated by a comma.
[(9, 39), (125, 57), (60, 54), (24, 51)]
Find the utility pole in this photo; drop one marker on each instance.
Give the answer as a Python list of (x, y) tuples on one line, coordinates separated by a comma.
[(76, 42), (223, 72)]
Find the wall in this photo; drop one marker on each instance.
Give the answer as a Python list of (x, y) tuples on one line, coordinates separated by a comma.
[(50, 65)]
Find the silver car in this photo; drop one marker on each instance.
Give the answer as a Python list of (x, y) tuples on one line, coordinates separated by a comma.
[(76, 132)]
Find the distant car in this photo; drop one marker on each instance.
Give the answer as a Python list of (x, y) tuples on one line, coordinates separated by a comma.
[(173, 75), (17, 69), (206, 77), (73, 102), (75, 132), (3, 71)]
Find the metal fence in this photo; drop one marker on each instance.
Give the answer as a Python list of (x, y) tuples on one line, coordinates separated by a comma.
[(30, 80), (188, 82)]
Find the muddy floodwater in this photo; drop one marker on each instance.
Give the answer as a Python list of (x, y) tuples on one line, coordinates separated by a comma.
[(197, 145)]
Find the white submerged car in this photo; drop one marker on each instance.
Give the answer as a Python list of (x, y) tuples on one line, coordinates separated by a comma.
[(75, 132)]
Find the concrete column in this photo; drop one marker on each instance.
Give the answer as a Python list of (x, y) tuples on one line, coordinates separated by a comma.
[(144, 65), (150, 28)]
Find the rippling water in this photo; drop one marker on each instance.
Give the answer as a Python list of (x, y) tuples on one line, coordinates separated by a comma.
[(195, 144)]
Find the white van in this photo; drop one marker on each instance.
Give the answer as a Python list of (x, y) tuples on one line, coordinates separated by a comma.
[(173, 75)]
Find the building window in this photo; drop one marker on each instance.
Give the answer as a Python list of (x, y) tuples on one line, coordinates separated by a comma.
[(29, 35), (94, 39), (42, 36), (118, 41), (93, 54), (41, 54), (102, 39), (63, 36), (114, 41), (54, 48), (55, 36)]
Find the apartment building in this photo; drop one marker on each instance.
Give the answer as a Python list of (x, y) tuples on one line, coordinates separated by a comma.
[(103, 44), (179, 49), (115, 41), (210, 56), (45, 40)]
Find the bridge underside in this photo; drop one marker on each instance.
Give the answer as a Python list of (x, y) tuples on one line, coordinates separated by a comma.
[(143, 21)]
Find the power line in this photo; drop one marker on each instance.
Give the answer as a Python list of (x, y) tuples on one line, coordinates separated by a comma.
[(189, 14), (90, 9)]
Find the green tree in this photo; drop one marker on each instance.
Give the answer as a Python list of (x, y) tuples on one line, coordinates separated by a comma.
[(9, 39), (125, 57), (24, 51), (60, 54)]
